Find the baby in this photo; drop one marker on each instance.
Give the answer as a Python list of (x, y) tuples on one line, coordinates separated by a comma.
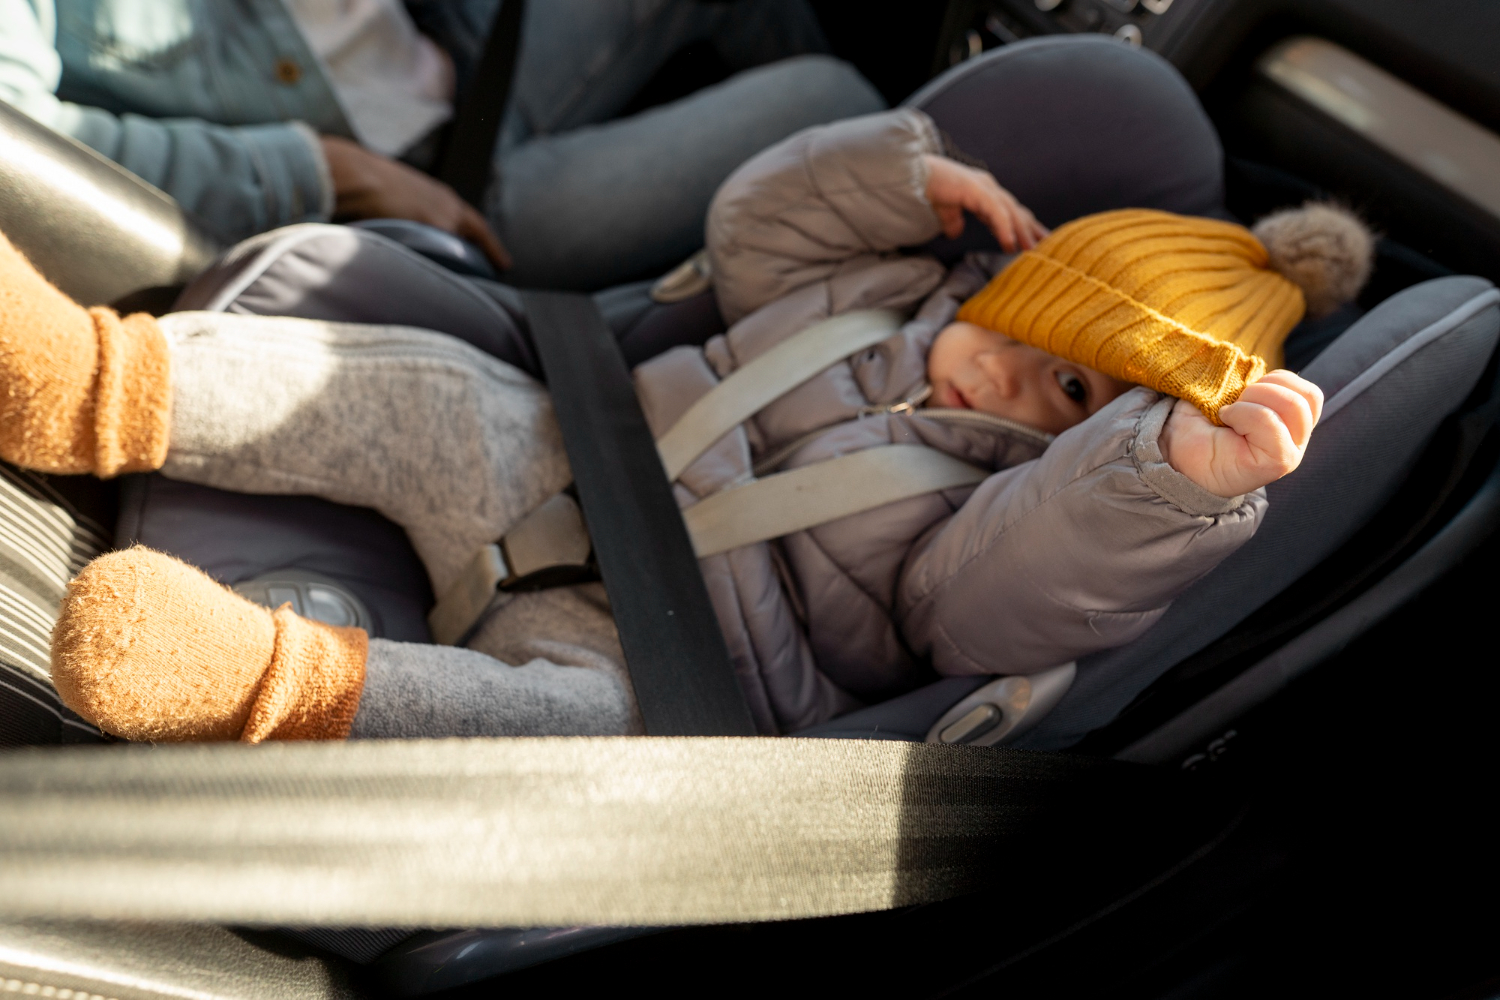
[(1105, 499), (971, 367)]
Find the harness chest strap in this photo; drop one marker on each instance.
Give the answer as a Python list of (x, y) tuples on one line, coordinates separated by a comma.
[(767, 377), (815, 494), (551, 546)]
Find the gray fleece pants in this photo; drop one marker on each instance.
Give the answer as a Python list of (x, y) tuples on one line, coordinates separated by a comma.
[(453, 445)]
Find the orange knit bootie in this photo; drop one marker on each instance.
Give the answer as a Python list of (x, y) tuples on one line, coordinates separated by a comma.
[(81, 390), (149, 648)]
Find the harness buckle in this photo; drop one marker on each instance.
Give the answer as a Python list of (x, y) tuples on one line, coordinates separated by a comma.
[(550, 547)]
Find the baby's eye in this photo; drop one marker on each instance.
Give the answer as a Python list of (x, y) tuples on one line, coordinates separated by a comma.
[(1073, 387)]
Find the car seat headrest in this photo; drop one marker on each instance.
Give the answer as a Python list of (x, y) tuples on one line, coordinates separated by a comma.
[(1043, 114)]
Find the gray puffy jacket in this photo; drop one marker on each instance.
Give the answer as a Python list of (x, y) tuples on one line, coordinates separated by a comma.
[(1074, 545)]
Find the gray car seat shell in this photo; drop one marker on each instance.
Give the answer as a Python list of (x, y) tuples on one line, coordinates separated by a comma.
[(1073, 125), (1391, 380)]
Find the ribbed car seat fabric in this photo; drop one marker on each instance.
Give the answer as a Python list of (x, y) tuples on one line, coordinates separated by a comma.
[(44, 540)]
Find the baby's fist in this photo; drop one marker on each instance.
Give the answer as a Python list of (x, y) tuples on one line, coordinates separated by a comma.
[(1264, 436)]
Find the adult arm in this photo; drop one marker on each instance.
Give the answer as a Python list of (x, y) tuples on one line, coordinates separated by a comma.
[(1080, 550), (238, 180)]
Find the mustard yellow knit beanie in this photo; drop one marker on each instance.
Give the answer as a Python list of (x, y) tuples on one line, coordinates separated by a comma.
[(1195, 308)]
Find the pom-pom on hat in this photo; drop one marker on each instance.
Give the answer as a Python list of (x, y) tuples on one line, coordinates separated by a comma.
[(1195, 308)]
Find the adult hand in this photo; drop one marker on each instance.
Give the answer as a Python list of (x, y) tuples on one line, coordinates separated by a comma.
[(1265, 435), (953, 188), (367, 185)]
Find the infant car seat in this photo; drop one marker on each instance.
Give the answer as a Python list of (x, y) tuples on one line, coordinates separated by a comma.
[(1393, 489), (1071, 126)]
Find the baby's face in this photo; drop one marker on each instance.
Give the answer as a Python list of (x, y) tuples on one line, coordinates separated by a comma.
[(972, 368)]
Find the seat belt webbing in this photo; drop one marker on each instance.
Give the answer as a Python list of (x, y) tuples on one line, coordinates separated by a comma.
[(824, 491), (766, 378), (532, 832), (684, 681), (468, 156)]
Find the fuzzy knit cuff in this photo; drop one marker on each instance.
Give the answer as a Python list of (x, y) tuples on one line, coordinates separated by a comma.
[(81, 390), (148, 648), (311, 690)]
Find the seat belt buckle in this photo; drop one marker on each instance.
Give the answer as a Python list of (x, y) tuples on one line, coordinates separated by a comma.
[(550, 547)]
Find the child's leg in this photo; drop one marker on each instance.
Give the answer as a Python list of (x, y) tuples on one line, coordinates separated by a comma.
[(414, 691), (453, 445), (572, 626), (148, 648), (446, 441)]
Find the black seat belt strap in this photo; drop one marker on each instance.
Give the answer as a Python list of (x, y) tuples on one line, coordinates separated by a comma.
[(684, 681), (470, 150)]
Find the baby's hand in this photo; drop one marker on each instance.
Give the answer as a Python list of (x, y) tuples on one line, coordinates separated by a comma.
[(1264, 436), (953, 187)]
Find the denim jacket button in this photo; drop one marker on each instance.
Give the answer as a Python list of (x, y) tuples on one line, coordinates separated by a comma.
[(287, 71)]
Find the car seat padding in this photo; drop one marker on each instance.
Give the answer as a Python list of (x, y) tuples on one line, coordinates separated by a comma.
[(354, 546), (1127, 111), (1357, 461)]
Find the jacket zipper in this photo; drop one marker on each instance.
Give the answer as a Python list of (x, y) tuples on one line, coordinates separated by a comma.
[(911, 404)]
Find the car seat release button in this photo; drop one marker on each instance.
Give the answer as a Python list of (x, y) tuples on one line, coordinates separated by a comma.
[(978, 721), (1004, 709), (311, 595)]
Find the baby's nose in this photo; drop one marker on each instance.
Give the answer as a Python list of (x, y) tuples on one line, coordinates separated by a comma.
[(1006, 380)]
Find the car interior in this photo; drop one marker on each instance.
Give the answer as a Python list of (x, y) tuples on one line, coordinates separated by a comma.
[(1318, 741)]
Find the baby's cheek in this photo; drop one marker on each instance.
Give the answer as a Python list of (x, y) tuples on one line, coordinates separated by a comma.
[(940, 355)]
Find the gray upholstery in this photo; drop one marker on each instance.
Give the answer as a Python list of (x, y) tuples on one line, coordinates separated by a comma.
[(1079, 124), (315, 271), (235, 537), (359, 275), (1372, 432)]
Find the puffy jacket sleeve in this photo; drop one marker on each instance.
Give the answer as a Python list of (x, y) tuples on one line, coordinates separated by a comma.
[(828, 198), (1079, 550), (238, 180)]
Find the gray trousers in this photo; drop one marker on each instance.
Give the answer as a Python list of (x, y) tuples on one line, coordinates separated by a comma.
[(453, 445), (583, 199)]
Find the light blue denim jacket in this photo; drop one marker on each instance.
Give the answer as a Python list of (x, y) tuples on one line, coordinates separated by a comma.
[(216, 102)]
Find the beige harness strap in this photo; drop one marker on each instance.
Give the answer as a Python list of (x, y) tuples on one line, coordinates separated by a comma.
[(825, 491), (755, 512), (767, 378)]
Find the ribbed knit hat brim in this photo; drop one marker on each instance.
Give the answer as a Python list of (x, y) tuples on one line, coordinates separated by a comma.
[(1183, 305)]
